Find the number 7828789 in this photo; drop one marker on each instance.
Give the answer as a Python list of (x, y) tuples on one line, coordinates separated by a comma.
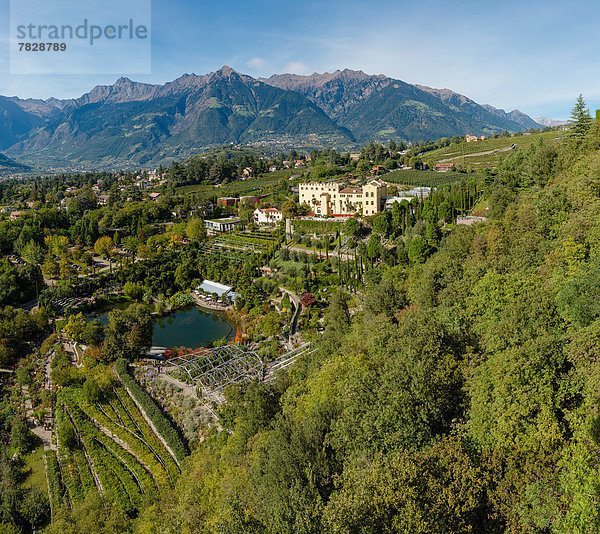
[(42, 47)]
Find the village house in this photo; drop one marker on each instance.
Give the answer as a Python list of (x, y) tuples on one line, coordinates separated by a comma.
[(377, 169), (14, 215), (444, 167), (226, 201), (154, 196), (267, 216), (331, 198), (469, 138)]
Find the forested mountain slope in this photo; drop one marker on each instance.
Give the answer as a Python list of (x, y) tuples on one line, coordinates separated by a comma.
[(463, 396), (133, 123), (382, 108)]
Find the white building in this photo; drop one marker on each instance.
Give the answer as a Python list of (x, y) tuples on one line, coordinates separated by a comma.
[(420, 193), (389, 201), (331, 198), (222, 225), (221, 290), (267, 216)]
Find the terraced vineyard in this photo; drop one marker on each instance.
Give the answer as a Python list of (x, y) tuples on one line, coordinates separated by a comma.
[(421, 178), (257, 239), (261, 185), (108, 446), (487, 153), (237, 245)]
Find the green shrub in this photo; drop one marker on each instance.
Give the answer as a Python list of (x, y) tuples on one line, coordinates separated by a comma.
[(55, 485)]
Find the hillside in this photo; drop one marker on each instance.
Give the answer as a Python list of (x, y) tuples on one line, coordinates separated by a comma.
[(144, 124), (544, 121), (484, 154), (456, 392), (382, 108), (15, 123), (7, 165)]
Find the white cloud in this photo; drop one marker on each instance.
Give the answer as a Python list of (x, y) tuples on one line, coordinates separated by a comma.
[(297, 67), (257, 63)]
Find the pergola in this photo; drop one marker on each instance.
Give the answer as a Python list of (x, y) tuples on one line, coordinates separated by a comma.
[(212, 370)]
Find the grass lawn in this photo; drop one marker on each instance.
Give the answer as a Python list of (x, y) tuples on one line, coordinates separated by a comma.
[(34, 466), (313, 249)]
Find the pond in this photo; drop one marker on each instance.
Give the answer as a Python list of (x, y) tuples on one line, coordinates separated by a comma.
[(191, 327)]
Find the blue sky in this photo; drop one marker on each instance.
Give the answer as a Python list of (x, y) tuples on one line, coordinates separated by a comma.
[(536, 56)]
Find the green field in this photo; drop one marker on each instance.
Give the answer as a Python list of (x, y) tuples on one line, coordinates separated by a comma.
[(422, 178), (469, 155), (34, 467)]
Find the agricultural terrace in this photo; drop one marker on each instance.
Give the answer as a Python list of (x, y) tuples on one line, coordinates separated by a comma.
[(113, 442), (471, 155), (262, 185), (237, 245), (421, 178)]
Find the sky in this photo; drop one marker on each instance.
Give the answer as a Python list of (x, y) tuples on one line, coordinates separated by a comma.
[(535, 56)]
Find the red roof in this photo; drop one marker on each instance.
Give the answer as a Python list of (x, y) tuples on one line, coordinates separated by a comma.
[(351, 190)]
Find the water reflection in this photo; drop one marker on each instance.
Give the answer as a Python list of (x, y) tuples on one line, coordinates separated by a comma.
[(188, 327)]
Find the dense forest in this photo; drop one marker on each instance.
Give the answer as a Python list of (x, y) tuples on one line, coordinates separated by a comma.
[(454, 388), (463, 396)]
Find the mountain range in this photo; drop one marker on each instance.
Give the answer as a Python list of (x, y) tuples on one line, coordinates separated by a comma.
[(544, 121), (8, 166), (132, 123)]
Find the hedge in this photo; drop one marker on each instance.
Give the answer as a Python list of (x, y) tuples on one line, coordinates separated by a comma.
[(55, 485), (154, 413)]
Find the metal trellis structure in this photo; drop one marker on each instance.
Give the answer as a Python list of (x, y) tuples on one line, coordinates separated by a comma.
[(212, 370)]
